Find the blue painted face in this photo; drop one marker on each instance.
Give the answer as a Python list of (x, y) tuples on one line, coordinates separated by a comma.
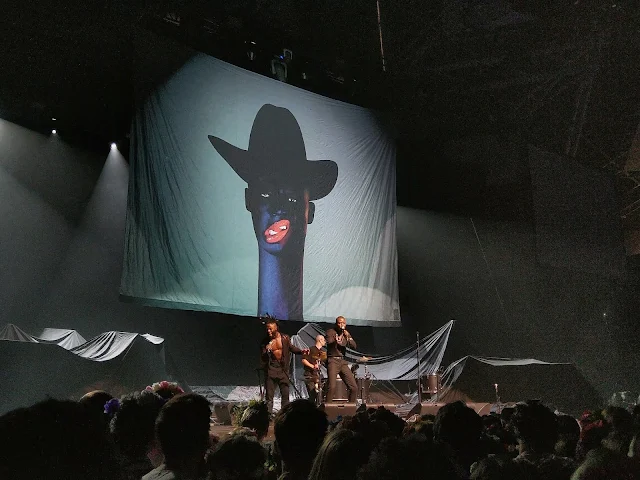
[(280, 217)]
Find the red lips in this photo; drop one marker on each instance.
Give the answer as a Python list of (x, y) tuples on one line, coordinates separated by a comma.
[(277, 231)]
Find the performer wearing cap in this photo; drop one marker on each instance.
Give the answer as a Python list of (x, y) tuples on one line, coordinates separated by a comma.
[(276, 349), (281, 186), (338, 338), (311, 363)]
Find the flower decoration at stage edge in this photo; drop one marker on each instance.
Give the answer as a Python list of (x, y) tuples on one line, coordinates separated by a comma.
[(165, 389), (112, 407)]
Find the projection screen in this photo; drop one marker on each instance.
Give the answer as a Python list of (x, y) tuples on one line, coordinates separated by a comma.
[(249, 196)]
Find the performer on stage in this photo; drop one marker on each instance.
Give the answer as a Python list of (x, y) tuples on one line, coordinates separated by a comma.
[(311, 363), (338, 339), (276, 349)]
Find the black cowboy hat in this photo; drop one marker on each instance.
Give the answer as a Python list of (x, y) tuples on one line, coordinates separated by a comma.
[(276, 154)]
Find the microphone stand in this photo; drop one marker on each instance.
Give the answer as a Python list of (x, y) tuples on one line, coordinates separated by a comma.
[(498, 400), (258, 370), (419, 379)]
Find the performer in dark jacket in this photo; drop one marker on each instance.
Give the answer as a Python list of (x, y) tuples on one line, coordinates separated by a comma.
[(338, 339), (276, 349)]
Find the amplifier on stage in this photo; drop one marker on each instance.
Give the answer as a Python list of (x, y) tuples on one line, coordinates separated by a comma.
[(342, 395), (431, 384)]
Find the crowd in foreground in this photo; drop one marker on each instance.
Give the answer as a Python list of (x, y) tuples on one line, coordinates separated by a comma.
[(163, 433)]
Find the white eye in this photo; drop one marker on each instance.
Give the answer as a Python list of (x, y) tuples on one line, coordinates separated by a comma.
[(264, 195), (292, 200)]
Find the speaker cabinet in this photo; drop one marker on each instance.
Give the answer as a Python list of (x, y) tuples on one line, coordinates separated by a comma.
[(335, 410)]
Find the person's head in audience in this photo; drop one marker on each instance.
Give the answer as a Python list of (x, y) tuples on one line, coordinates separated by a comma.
[(459, 427), (634, 446), (635, 414), (395, 423), (410, 458), (256, 417), (568, 436), (421, 427), (373, 431), (535, 427), (239, 456), (299, 429), (491, 422), (620, 422), (182, 428), (341, 455), (133, 430), (95, 401), (55, 440), (167, 390), (593, 430), (505, 416), (500, 468), (605, 464)]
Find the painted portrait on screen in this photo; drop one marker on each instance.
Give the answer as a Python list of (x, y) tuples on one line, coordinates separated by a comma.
[(282, 185)]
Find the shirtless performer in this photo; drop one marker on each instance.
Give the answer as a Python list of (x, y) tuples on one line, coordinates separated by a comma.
[(276, 349)]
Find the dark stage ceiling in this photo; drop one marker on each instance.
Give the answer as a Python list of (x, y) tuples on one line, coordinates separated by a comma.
[(560, 75)]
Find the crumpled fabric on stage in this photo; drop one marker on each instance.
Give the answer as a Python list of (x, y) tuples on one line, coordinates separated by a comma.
[(383, 369), (506, 380), (402, 365), (61, 364), (65, 338)]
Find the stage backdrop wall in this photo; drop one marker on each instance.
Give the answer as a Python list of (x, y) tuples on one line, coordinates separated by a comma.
[(249, 196), (62, 228)]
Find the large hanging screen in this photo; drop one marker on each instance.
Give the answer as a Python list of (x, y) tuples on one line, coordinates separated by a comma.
[(250, 196)]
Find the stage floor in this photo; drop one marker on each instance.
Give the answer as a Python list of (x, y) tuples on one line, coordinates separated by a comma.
[(335, 410)]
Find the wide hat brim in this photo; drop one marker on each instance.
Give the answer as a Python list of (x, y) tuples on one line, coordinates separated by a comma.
[(277, 156)]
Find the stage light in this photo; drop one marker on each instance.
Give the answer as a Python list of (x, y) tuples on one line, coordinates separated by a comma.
[(54, 131), (114, 146)]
